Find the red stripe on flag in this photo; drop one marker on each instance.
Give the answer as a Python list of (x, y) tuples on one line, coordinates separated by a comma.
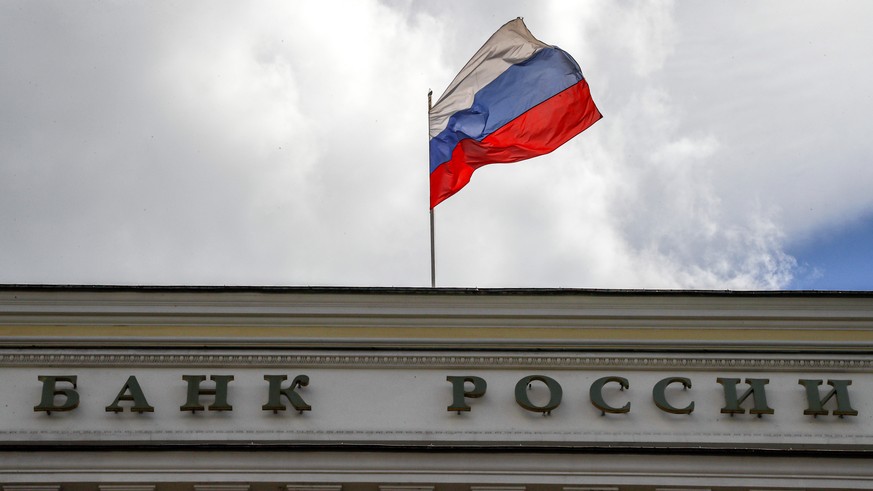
[(538, 131)]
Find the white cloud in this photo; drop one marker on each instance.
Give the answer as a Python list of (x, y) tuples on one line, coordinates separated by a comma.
[(285, 144)]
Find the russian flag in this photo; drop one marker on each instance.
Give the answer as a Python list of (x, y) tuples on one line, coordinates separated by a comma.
[(516, 98)]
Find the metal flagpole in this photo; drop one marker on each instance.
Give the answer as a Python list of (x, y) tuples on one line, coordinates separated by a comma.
[(432, 254)]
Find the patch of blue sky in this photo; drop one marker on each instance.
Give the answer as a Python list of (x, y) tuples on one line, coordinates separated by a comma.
[(840, 258)]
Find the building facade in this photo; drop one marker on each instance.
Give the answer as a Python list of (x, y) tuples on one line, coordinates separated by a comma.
[(366, 389)]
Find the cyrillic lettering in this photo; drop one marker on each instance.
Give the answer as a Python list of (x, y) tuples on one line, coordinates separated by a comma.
[(596, 395), (140, 404), (816, 403), (460, 392), (274, 401), (195, 391), (756, 390), (555, 393), (50, 390), (660, 396)]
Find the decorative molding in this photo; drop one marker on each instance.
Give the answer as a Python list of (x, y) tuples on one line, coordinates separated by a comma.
[(498, 488), (313, 487), (31, 487), (126, 487), (222, 487), (445, 469), (417, 318), (396, 487), (562, 361), (453, 438)]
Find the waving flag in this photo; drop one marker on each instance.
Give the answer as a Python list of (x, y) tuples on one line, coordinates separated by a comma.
[(516, 98)]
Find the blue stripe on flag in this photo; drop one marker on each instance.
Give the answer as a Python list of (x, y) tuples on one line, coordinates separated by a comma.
[(521, 87)]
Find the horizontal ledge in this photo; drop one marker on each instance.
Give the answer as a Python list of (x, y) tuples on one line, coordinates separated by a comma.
[(432, 360), (386, 290), (615, 468), (450, 446), (709, 345)]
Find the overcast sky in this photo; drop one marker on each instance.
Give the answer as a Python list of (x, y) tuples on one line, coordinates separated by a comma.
[(285, 143)]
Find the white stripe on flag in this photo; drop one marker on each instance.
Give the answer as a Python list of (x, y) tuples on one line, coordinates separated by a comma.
[(511, 44)]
